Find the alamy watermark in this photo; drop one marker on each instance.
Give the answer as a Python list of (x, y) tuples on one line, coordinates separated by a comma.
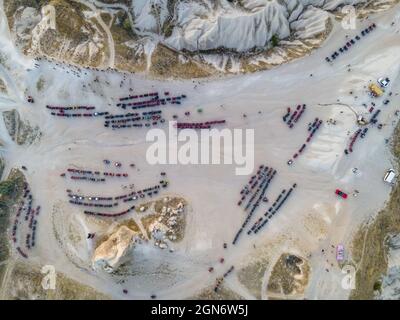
[(205, 147), (50, 278), (349, 280), (349, 21)]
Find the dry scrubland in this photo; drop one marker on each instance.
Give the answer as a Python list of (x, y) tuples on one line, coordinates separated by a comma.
[(370, 249)]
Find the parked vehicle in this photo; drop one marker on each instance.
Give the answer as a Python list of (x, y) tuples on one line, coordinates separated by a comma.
[(341, 194), (340, 252), (384, 82), (389, 176)]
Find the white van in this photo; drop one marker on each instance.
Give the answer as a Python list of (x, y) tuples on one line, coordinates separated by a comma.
[(389, 176), (384, 82)]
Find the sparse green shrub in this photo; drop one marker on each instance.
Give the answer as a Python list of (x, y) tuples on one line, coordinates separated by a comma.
[(274, 40)]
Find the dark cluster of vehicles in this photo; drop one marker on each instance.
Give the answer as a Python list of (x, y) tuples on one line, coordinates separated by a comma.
[(59, 111), (278, 203), (78, 115), (90, 201), (91, 179), (62, 108), (312, 128), (135, 120), (97, 173), (363, 132), (199, 125), (350, 43), (255, 190), (151, 100), (91, 204), (30, 218), (145, 192), (109, 214), (292, 116)]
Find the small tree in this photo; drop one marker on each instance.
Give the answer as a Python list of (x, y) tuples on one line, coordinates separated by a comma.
[(7, 187), (127, 25), (274, 40)]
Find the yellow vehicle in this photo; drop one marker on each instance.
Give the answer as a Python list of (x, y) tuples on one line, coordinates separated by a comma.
[(375, 90)]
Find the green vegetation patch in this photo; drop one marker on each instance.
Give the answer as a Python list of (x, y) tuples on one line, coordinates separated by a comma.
[(10, 192)]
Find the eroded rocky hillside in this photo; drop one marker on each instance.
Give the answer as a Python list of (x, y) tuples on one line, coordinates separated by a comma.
[(177, 38)]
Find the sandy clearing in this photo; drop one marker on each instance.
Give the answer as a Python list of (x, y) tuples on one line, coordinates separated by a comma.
[(212, 191)]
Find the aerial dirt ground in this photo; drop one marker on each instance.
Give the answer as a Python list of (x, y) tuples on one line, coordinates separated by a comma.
[(311, 223)]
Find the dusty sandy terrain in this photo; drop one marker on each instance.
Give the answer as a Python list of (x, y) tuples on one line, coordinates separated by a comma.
[(313, 219)]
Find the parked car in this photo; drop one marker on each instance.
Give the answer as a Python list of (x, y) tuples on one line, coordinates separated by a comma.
[(339, 252), (341, 194), (384, 82), (389, 176)]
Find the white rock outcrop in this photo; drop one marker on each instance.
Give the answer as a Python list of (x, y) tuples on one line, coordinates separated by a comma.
[(108, 254)]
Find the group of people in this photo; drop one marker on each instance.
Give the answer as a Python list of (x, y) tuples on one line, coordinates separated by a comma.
[(350, 43), (293, 116)]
